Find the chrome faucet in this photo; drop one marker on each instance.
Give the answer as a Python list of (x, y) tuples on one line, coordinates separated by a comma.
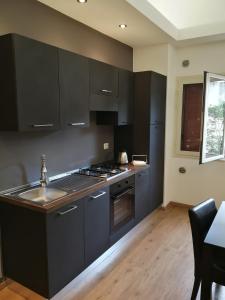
[(44, 178)]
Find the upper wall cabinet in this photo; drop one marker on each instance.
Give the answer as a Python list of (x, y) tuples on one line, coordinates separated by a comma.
[(104, 87), (124, 114), (74, 89), (125, 100), (29, 89)]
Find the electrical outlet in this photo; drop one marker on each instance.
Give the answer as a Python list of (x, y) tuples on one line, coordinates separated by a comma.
[(106, 146)]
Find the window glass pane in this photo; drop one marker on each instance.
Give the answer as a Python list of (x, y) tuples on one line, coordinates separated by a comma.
[(191, 117), (214, 112)]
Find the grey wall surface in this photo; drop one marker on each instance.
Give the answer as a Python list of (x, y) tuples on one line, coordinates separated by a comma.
[(34, 19), (68, 149)]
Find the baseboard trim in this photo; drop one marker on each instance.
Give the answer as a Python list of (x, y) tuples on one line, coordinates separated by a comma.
[(4, 283)]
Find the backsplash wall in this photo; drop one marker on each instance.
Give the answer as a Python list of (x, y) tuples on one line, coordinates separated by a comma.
[(65, 150)]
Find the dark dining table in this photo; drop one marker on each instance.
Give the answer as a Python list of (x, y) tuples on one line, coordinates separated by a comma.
[(214, 241)]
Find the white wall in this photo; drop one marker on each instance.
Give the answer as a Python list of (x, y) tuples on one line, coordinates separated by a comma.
[(200, 181), (152, 58)]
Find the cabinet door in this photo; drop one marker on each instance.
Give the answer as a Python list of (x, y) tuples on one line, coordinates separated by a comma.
[(37, 84), (104, 87), (157, 136), (74, 89), (97, 224), (65, 232), (157, 98), (142, 195), (125, 100)]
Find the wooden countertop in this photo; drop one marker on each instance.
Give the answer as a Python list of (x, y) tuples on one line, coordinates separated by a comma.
[(58, 203)]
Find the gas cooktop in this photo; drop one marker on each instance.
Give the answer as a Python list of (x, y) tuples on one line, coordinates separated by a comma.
[(105, 170)]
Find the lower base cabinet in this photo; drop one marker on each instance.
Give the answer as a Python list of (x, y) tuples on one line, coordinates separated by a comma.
[(65, 245), (44, 252), (143, 201), (97, 225)]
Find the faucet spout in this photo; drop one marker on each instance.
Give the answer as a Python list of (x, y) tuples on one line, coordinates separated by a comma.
[(44, 178)]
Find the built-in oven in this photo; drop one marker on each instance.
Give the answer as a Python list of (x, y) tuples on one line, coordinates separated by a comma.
[(122, 197)]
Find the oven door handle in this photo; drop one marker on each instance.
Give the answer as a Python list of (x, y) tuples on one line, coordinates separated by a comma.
[(123, 193)]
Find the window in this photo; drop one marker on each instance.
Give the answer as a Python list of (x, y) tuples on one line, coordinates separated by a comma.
[(191, 117), (189, 91), (213, 140)]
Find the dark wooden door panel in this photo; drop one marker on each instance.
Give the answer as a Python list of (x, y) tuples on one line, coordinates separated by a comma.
[(125, 101), (157, 137), (104, 87), (142, 195), (65, 233), (97, 224), (74, 89), (36, 84), (158, 98)]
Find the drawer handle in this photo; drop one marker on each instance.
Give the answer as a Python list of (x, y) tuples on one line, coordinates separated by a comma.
[(77, 124), (99, 195), (61, 213), (106, 91), (42, 125)]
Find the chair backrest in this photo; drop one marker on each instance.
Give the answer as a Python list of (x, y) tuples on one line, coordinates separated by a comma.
[(201, 217)]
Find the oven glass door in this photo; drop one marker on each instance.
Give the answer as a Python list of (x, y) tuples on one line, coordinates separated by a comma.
[(122, 208)]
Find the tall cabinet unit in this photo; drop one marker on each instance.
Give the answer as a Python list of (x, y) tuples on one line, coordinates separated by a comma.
[(149, 128)]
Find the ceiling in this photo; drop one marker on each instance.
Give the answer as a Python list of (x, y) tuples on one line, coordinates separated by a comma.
[(106, 15), (150, 22), (185, 19), (184, 14)]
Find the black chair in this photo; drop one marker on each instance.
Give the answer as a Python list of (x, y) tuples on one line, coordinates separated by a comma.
[(201, 217)]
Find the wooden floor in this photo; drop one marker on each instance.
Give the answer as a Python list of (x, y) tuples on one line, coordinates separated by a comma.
[(152, 262)]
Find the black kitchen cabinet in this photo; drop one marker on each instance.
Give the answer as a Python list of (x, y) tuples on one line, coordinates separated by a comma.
[(149, 127), (104, 87), (158, 97), (125, 99), (143, 204), (157, 138), (42, 251), (74, 89), (65, 238), (124, 114), (29, 84), (97, 224)]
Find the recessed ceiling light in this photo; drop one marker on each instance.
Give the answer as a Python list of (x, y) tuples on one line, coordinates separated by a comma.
[(123, 26), (81, 1)]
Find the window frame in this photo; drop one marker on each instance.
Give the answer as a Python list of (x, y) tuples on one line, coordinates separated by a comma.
[(202, 158)]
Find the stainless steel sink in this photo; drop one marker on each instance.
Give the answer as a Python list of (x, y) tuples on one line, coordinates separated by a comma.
[(42, 194)]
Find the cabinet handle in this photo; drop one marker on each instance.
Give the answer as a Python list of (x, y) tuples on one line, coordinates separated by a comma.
[(99, 195), (42, 125), (61, 213), (77, 124), (106, 91)]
